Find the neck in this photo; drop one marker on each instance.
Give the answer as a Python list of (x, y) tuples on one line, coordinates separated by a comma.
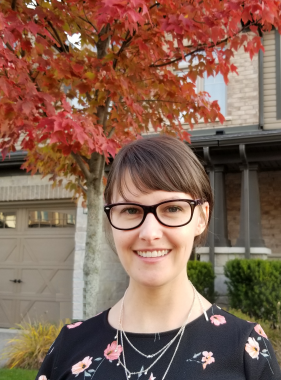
[(157, 309)]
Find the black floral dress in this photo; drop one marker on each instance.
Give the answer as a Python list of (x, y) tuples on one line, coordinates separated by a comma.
[(222, 348)]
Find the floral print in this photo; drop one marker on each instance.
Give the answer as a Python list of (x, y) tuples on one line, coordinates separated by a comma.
[(207, 358), (81, 366), (260, 331), (152, 377), (112, 351), (253, 348), (218, 320), (42, 377), (73, 325)]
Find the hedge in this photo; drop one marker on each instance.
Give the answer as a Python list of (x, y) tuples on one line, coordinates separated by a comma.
[(201, 274), (254, 287)]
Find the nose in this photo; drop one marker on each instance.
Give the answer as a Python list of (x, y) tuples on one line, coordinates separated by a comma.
[(151, 229)]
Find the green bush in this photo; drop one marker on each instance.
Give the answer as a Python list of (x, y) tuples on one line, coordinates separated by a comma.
[(254, 287), (201, 274)]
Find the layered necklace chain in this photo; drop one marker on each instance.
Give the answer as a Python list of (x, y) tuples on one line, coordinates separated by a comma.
[(159, 353)]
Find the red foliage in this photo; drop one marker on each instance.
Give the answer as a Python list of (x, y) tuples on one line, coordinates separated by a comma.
[(122, 79)]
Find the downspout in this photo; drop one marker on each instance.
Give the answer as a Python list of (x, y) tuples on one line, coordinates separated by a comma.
[(261, 89)]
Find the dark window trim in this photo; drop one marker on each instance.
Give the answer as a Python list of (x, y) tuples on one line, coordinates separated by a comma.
[(278, 75)]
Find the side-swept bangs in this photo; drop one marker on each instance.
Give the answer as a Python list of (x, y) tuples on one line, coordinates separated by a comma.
[(159, 163)]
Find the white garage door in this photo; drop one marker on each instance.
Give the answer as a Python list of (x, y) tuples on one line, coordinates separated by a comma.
[(36, 263)]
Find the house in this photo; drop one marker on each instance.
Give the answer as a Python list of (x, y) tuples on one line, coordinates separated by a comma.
[(43, 231)]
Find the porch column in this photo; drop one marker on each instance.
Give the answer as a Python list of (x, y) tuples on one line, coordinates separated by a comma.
[(250, 234), (218, 226)]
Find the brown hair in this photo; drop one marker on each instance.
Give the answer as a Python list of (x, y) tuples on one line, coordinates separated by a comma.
[(160, 163)]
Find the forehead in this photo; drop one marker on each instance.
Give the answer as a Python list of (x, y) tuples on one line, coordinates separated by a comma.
[(131, 193)]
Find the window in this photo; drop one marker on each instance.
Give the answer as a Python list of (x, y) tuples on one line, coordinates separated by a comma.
[(215, 86), (8, 219), (50, 219)]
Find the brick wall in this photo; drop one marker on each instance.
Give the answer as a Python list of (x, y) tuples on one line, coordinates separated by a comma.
[(270, 201), (270, 195)]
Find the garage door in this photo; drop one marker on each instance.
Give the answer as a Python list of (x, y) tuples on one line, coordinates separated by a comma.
[(36, 263)]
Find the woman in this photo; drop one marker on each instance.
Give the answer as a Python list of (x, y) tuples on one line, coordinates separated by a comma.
[(158, 202)]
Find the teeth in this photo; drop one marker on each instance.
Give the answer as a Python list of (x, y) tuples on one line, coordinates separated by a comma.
[(153, 253)]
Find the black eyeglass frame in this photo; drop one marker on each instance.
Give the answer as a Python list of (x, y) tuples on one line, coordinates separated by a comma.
[(152, 209)]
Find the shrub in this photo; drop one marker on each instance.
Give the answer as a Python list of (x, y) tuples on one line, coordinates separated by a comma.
[(29, 348), (274, 335), (254, 287), (201, 274)]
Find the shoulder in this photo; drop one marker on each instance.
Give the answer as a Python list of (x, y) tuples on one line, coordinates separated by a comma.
[(93, 327), (229, 324)]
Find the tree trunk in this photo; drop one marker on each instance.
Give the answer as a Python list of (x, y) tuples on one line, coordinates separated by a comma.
[(94, 235)]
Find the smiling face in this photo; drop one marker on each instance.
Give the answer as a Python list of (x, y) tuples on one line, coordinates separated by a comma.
[(153, 254)]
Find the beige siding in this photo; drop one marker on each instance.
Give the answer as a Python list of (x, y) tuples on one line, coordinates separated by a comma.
[(269, 72)]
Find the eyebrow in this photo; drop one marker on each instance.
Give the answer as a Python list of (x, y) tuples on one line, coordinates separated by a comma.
[(163, 200)]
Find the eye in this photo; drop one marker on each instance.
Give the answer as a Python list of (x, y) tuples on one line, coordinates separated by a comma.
[(173, 209), (130, 211)]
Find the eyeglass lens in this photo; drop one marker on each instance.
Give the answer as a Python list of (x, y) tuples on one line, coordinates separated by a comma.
[(174, 213)]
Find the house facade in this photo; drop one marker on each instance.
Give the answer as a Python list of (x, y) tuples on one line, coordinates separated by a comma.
[(43, 231)]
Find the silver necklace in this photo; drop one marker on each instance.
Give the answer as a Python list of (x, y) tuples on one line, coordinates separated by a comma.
[(160, 352)]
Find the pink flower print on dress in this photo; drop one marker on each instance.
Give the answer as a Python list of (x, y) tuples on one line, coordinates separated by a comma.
[(113, 351), (152, 377), (253, 348), (81, 366), (73, 325), (42, 377), (207, 358), (218, 320), (260, 331)]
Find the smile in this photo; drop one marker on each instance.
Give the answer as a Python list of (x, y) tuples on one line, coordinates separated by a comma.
[(153, 253)]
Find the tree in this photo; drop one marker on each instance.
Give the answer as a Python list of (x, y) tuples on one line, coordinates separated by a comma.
[(122, 77)]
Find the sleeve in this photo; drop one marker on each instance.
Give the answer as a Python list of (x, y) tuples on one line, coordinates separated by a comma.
[(259, 357), (46, 369)]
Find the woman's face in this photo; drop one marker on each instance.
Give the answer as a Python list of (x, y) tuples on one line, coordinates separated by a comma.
[(175, 242)]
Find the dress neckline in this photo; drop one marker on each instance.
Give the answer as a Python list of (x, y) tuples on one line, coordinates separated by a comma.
[(191, 324)]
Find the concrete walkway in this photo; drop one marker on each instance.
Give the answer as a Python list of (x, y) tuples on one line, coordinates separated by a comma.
[(5, 336)]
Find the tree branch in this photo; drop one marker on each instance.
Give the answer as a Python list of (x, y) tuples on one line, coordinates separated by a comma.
[(58, 37), (82, 166), (125, 44), (201, 48), (81, 186), (14, 4)]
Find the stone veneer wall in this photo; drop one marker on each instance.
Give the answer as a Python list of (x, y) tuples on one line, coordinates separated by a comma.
[(113, 278)]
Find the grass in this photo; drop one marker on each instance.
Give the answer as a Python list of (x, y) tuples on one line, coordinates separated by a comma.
[(17, 374)]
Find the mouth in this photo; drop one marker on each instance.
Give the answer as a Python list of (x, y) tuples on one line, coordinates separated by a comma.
[(153, 254)]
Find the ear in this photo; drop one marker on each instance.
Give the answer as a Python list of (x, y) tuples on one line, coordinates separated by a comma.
[(203, 218)]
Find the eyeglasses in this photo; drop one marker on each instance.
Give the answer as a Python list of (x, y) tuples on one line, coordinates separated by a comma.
[(128, 216)]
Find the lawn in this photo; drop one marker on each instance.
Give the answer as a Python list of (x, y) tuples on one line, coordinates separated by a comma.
[(17, 374)]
